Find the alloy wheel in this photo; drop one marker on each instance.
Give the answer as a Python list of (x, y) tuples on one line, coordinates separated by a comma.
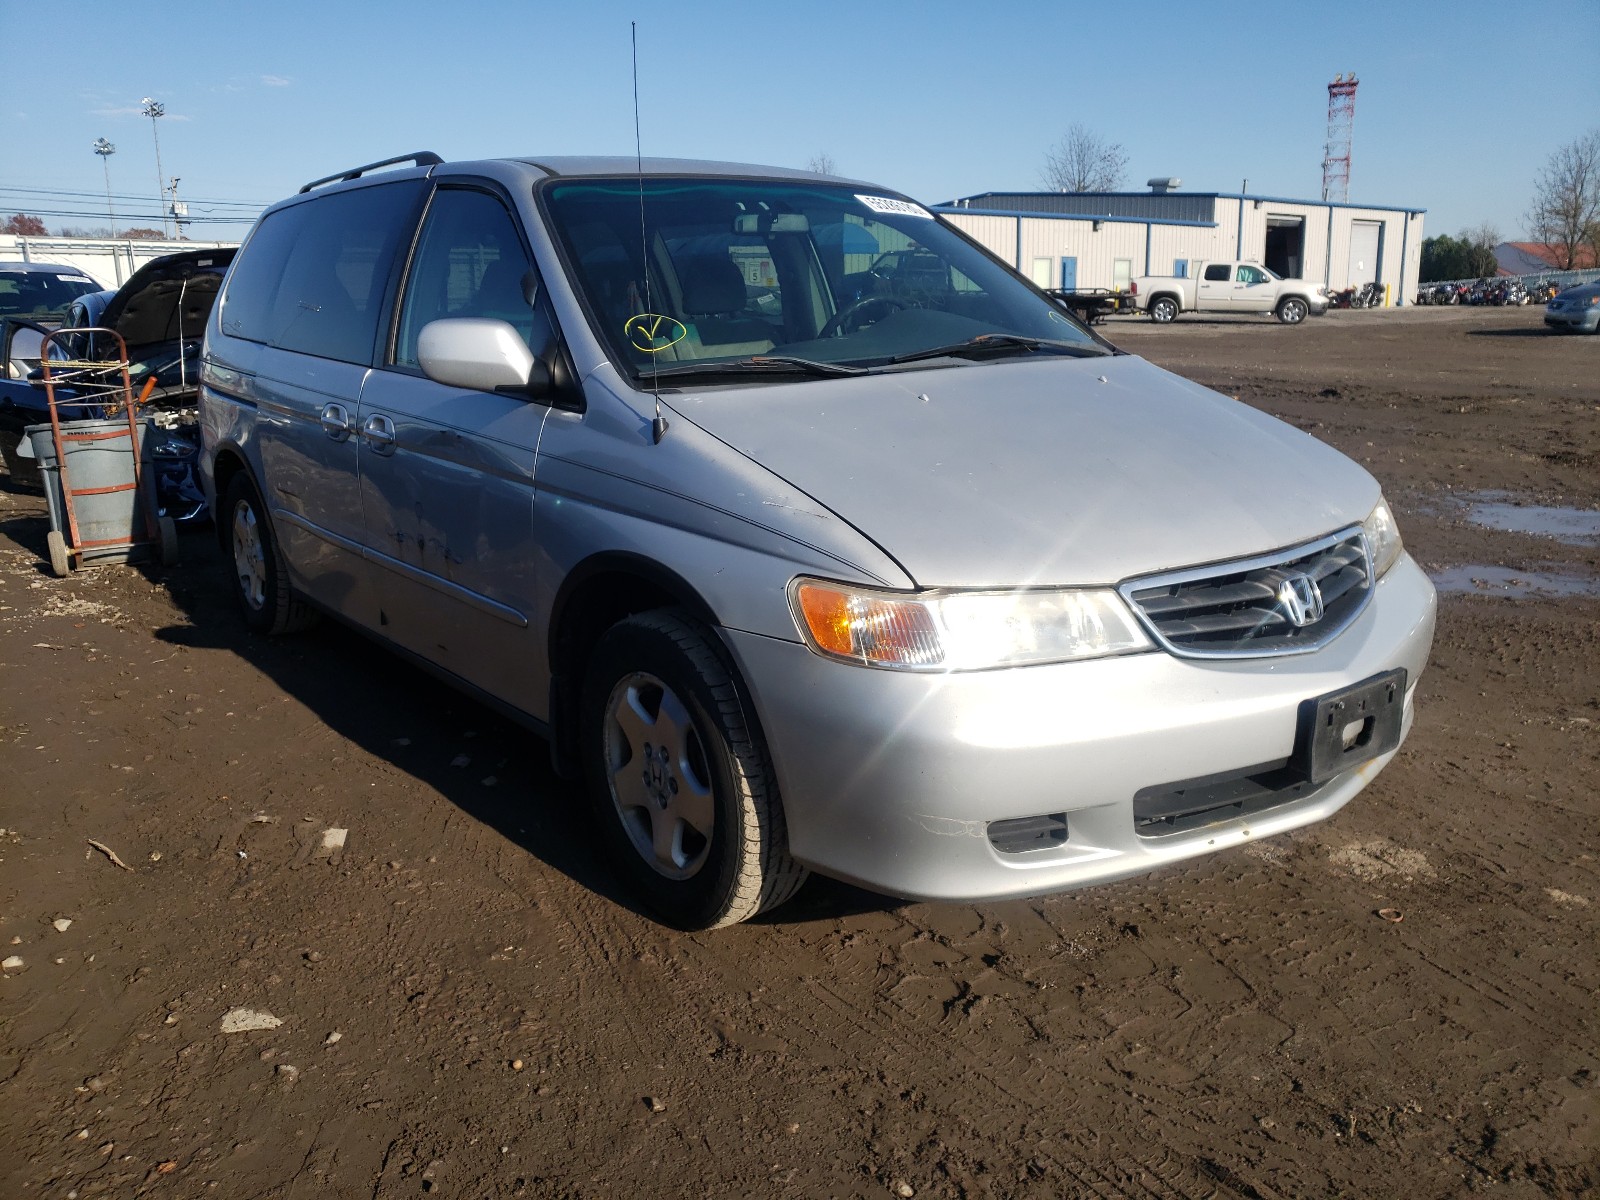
[(249, 556), (659, 776)]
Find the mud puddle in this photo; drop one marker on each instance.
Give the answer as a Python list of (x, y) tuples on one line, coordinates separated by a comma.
[(1572, 526), (1513, 583)]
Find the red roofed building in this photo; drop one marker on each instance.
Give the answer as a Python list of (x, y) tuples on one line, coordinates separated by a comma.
[(1529, 258)]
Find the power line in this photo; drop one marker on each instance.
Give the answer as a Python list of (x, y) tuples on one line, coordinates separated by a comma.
[(133, 218), (61, 194)]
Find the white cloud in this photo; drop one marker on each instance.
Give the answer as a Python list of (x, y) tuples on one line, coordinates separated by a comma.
[(110, 110), (275, 81)]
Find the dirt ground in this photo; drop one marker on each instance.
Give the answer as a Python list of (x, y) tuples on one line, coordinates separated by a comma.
[(469, 1008)]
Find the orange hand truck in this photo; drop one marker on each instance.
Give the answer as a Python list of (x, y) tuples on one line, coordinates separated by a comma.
[(112, 515)]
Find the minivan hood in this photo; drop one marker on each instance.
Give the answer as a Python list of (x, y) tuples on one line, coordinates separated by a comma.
[(1045, 471)]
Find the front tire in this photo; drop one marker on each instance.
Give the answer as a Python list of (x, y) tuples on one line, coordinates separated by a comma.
[(680, 779), (260, 576), (1292, 310), (1163, 310)]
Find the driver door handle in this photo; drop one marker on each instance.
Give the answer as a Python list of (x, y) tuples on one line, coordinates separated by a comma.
[(378, 430)]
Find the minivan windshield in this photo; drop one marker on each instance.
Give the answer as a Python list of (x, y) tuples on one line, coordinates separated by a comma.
[(756, 278)]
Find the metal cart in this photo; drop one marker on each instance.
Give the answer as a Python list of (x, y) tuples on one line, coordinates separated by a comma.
[(102, 507)]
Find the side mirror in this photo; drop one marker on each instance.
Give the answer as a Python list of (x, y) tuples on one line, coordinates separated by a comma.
[(480, 353)]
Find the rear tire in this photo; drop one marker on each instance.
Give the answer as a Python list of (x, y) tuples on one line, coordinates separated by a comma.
[(260, 577), (1163, 310), (679, 778), (1292, 311)]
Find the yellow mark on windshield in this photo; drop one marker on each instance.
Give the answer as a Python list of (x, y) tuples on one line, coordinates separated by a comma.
[(653, 332)]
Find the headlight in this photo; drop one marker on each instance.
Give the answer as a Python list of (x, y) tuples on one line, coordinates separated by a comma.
[(1383, 538), (172, 448), (961, 631)]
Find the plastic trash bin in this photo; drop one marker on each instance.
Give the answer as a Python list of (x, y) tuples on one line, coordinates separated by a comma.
[(111, 523)]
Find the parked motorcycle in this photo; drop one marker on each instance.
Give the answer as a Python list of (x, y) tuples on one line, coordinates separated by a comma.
[(1368, 295)]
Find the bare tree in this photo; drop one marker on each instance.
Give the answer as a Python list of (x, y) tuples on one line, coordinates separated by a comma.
[(1083, 161), (1480, 243), (821, 162), (1566, 199)]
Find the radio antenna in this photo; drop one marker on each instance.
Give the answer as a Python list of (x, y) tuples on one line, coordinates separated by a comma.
[(658, 427)]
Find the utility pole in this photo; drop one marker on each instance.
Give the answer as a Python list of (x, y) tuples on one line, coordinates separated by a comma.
[(154, 109), (105, 150)]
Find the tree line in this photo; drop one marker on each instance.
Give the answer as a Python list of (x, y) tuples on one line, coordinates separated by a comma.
[(24, 225)]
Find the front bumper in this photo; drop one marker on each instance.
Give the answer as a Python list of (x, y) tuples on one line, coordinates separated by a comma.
[(1584, 320), (893, 780)]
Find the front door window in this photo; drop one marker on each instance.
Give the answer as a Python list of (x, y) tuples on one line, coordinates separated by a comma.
[(469, 263)]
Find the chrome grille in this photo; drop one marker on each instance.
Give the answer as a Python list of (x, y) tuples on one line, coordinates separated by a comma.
[(1260, 606)]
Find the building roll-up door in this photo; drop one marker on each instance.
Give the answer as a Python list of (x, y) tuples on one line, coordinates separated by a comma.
[(1365, 239)]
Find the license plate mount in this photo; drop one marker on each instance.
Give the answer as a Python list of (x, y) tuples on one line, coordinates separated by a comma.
[(1343, 729)]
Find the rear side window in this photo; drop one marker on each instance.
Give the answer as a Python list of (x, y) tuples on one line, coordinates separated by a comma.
[(313, 278), (1217, 273)]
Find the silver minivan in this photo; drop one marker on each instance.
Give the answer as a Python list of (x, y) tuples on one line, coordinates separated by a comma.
[(811, 535)]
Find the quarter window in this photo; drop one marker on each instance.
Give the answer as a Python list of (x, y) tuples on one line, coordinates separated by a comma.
[(313, 277)]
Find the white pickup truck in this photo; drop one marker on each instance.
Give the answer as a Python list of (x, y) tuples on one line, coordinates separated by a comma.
[(1228, 286)]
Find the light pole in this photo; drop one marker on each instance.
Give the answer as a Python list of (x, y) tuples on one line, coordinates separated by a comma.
[(105, 150), (154, 109)]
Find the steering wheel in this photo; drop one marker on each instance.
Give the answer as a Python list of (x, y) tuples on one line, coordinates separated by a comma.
[(844, 321)]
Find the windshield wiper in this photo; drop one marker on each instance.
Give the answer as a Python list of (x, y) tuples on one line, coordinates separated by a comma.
[(989, 343), (761, 364)]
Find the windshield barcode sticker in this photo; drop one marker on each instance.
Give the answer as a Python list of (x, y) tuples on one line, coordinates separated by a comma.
[(900, 208)]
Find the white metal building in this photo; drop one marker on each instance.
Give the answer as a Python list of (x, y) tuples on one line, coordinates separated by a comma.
[(108, 261), (1102, 239)]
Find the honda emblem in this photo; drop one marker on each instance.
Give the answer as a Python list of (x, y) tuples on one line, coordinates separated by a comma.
[(1301, 600)]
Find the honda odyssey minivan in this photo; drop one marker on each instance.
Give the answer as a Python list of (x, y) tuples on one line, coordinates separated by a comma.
[(904, 577)]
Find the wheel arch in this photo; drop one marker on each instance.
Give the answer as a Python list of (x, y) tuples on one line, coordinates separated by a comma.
[(1175, 297), (597, 593), (226, 463), (1284, 303)]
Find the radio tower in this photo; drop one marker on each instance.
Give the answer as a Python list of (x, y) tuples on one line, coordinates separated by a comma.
[(1341, 126)]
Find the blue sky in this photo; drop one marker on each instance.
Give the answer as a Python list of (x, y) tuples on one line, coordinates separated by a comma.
[(1460, 103)]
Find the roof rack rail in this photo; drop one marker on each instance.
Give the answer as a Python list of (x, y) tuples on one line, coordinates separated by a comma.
[(423, 158)]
